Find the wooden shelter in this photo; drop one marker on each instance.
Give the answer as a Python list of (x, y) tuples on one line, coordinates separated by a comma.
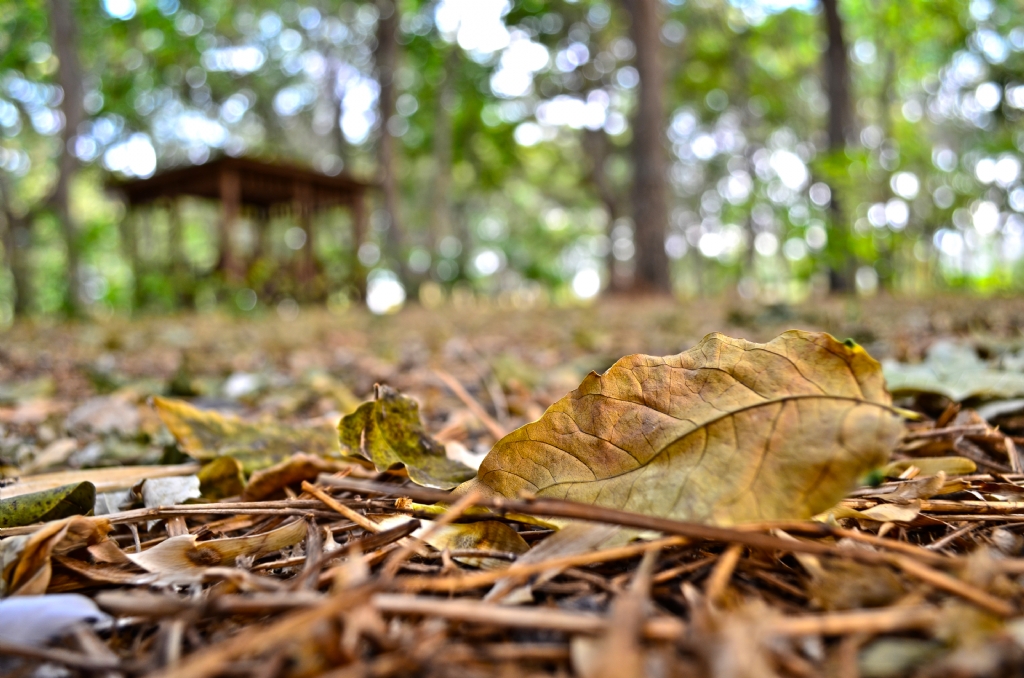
[(258, 186)]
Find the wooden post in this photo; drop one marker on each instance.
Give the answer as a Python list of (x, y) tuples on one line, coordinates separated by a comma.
[(359, 217), (231, 205), (305, 266), (130, 246), (261, 223), (180, 271)]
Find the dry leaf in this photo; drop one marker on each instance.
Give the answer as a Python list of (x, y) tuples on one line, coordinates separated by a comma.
[(953, 370), (221, 478), (929, 466), (26, 560), (205, 435), (182, 558), (489, 535), (730, 431), (170, 491), (892, 513), (388, 432), (291, 471)]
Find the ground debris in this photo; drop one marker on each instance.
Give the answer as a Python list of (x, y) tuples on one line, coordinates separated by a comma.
[(325, 564)]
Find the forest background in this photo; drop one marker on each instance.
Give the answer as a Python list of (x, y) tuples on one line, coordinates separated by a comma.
[(524, 151)]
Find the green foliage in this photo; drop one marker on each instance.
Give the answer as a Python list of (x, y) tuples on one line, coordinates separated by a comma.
[(935, 88)]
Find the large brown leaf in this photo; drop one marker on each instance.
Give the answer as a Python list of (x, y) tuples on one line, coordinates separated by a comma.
[(727, 432)]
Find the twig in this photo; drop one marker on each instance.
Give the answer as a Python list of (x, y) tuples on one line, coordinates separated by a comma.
[(943, 581), (520, 570), (549, 618), (493, 427), (950, 432), (744, 535), (356, 517), (718, 582), (956, 534), (212, 659), (54, 655)]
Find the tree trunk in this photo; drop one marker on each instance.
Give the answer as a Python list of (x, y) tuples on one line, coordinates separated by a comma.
[(17, 242), (650, 180), (386, 61), (69, 75), (840, 127), (440, 203)]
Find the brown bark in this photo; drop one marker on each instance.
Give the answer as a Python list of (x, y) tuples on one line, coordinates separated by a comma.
[(386, 62), (840, 126), (17, 239), (69, 76), (650, 180), (440, 205)]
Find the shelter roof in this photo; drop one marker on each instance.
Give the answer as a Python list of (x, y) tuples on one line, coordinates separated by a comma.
[(260, 183)]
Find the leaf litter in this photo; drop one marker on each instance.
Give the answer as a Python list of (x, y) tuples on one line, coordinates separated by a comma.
[(766, 509)]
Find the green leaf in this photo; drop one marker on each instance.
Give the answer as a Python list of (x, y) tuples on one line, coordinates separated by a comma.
[(388, 432), (221, 478), (955, 371), (40, 507)]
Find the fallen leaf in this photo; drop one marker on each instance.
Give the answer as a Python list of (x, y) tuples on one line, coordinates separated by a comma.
[(929, 466), (291, 471), (53, 454), (728, 432), (206, 435), (106, 414), (221, 478), (37, 507), (170, 491), (183, 558), (489, 535), (388, 432), (953, 370), (26, 560), (893, 513)]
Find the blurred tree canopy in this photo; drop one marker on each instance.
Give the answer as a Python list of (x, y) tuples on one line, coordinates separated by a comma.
[(525, 149)]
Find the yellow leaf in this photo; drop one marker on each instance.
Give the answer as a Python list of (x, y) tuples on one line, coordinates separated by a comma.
[(929, 466), (727, 432), (206, 435), (485, 535), (221, 478)]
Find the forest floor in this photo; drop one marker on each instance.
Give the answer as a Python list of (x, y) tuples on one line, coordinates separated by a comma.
[(920, 575)]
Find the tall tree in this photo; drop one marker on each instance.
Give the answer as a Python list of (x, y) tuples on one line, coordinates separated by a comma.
[(836, 69), (650, 180), (440, 203), (69, 76), (17, 239), (386, 63)]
